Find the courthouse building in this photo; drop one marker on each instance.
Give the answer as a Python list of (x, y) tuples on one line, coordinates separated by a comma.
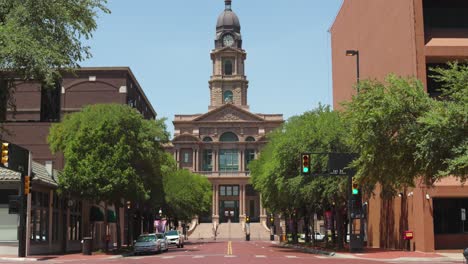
[(222, 142), (405, 37)]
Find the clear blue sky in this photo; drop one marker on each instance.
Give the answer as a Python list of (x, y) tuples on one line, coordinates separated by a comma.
[(167, 45)]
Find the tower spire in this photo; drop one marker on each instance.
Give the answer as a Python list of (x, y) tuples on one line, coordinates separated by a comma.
[(228, 4)]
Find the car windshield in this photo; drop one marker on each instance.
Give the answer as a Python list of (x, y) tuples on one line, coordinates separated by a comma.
[(146, 238), (160, 236), (172, 233)]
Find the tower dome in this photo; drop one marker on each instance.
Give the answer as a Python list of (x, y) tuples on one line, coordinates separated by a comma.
[(228, 20)]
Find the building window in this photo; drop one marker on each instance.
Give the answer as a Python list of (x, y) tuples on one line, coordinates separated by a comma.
[(228, 160), (74, 230), (227, 67), (186, 157), (39, 217), (207, 139), (207, 160), (250, 139), (229, 190), (228, 137), (249, 156), (228, 96), (50, 103), (56, 205)]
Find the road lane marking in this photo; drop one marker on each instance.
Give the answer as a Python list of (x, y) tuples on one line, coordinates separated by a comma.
[(198, 257), (229, 248), (168, 257), (260, 256), (291, 256)]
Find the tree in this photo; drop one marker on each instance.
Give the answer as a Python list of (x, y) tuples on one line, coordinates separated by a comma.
[(276, 172), (186, 194), (444, 145), (40, 38), (384, 131), (111, 154)]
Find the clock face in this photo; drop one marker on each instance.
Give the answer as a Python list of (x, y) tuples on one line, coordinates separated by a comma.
[(228, 40)]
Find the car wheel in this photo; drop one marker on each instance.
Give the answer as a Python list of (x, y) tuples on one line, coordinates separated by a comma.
[(182, 246), (178, 246)]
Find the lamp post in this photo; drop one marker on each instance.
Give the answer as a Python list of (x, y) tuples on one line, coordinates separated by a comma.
[(355, 53)]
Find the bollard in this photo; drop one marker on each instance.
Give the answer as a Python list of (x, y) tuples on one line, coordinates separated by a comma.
[(465, 254)]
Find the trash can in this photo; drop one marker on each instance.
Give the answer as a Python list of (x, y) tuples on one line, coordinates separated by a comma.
[(87, 245)]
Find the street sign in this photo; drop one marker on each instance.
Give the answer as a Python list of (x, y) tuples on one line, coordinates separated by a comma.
[(463, 214), (338, 163)]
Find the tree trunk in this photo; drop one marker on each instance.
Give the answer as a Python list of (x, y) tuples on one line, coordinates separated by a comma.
[(339, 225), (118, 227), (306, 225)]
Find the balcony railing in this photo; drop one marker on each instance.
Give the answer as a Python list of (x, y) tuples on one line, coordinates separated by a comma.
[(225, 173)]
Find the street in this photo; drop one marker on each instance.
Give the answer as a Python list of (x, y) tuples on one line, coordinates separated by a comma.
[(235, 252)]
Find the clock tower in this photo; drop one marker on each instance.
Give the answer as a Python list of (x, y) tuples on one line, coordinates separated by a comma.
[(228, 83)]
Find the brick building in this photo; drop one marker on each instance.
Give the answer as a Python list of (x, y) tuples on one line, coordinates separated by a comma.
[(221, 142), (405, 37), (57, 223)]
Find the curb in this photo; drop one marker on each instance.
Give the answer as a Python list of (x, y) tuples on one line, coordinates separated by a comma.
[(18, 259), (310, 250)]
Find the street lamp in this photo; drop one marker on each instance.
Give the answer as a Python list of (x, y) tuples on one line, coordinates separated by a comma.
[(352, 53)]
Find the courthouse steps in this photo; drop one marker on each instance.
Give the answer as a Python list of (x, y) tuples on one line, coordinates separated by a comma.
[(227, 231)]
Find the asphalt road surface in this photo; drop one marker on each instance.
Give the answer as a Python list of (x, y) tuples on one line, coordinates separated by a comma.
[(227, 252)]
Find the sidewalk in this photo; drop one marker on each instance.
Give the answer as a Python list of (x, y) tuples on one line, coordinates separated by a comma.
[(385, 255), (60, 258)]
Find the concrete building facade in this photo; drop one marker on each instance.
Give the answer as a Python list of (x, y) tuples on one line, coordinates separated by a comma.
[(405, 37), (223, 141)]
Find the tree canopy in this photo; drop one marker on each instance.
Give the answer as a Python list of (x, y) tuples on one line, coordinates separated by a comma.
[(111, 153), (402, 134), (40, 38), (276, 173), (186, 194)]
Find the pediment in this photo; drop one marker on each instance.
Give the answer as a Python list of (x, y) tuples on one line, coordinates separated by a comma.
[(229, 113)]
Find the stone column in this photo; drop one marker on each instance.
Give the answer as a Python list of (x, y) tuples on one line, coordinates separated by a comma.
[(243, 199), (213, 200), (240, 200), (193, 159), (216, 160), (217, 200), (197, 159)]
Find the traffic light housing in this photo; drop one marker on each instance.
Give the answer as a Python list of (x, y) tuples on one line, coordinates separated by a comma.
[(305, 163), (247, 219), (272, 221), (5, 154), (355, 187), (27, 185)]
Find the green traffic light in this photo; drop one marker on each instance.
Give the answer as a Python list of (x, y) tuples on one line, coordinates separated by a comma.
[(355, 191), (305, 169)]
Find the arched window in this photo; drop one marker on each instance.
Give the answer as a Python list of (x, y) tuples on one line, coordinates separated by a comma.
[(228, 96), (250, 139), (207, 139), (227, 67), (228, 137)]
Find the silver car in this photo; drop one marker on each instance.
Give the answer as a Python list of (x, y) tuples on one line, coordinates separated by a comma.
[(174, 237), (150, 243)]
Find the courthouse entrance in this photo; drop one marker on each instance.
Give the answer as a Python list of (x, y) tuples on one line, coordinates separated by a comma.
[(229, 210)]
